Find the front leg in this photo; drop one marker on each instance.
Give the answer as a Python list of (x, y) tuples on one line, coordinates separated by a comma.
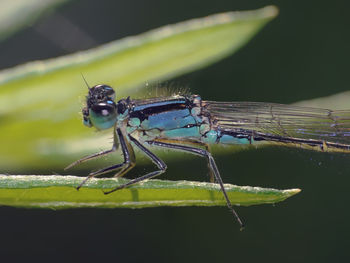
[(90, 157), (98, 154), (125, 166)]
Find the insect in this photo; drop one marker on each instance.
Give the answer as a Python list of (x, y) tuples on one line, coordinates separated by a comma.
[(188, 123)]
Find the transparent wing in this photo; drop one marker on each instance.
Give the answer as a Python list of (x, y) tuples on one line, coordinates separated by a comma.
[(280, 120)]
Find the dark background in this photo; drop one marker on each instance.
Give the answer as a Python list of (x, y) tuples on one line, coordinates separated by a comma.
[(302, 54)]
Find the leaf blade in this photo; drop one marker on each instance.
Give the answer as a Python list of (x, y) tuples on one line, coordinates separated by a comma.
[(58, 192)]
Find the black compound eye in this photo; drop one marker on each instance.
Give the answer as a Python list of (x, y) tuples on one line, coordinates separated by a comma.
[(102, 92)]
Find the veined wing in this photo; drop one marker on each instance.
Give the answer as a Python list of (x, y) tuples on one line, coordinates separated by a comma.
[(280, 121)]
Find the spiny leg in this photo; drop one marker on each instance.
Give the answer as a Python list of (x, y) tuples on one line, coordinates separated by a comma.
[(127, 164), (90, 157), (212, 165), (160, 164)]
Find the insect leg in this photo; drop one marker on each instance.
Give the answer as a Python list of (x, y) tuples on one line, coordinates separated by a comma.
[(126, 165), (212, 166), (160, 164), (90, 157), (196, 144), (96, 155)]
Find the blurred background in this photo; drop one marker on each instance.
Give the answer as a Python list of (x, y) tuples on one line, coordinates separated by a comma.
[(300, 55)]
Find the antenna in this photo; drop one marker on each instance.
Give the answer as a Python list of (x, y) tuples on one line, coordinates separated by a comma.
[(87, 84)]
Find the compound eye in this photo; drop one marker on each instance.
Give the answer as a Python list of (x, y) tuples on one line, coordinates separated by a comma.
[(104, 109), (102, 92), (103, 115)]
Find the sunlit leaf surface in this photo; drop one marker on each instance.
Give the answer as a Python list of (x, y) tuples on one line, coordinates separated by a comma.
[(59, 192)]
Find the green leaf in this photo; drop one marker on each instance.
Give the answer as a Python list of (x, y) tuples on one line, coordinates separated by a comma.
[(58, 192), (40, 101), (340, 101), (14, 15)]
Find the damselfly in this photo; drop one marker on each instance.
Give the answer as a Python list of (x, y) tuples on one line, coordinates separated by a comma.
[(188, 123)]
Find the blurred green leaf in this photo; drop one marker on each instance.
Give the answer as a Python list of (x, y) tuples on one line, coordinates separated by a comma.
[(16, 14), (340, 101), (40, 101), (59, 192)]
